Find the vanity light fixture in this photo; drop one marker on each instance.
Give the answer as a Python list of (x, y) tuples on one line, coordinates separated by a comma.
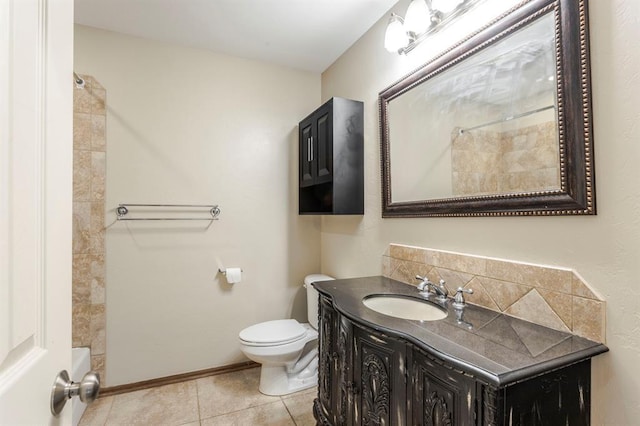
[(423, 17), (418, 17), (395, 38)]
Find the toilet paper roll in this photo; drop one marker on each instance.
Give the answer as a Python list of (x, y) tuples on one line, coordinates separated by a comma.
[(234, 275)]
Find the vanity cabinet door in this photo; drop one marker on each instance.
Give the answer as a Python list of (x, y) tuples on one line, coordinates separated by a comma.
[(335, 395), (557, 398), (327, 377), (379, 387), (344, 384), (441, 396)]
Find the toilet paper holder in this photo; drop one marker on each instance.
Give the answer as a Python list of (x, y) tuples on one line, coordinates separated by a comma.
[(224, 271)]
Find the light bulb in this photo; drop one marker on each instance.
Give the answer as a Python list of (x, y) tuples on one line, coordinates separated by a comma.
[(395, 38), (445, 6), (418, 17)]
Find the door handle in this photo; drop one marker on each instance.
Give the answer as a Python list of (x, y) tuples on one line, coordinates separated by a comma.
[(308, 150), (64, 389), (311, 150)]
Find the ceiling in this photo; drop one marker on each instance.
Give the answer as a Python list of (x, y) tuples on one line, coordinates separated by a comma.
[(303, 34)]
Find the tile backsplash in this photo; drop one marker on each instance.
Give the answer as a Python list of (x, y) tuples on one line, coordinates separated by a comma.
[(554, 297)]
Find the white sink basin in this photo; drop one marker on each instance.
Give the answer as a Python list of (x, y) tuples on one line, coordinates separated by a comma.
[(404, 307)]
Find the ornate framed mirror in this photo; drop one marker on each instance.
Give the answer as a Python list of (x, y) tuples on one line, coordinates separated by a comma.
[(498, 125)]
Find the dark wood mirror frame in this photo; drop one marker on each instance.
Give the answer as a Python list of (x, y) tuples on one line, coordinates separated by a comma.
[(577, 179)]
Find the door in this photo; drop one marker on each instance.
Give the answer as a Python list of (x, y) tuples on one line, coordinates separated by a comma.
[(380, 383), (305, 138), (315, 137), (441, 396), (344, 364), (323, 144), (36, 59), (327, 359)]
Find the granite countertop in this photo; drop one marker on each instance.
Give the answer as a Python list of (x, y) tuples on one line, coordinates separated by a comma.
[(497, 348)]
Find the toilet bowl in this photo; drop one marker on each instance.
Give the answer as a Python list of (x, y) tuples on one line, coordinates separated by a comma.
[(287, 349)]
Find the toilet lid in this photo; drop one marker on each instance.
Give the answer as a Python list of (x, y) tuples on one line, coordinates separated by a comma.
[(273, 332)]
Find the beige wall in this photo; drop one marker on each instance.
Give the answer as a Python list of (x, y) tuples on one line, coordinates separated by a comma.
[(190, 126), (604, 249)]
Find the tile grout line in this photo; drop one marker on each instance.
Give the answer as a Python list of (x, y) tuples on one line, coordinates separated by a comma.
[(106, 419), (243, 409), (288, 411), (198, 401)]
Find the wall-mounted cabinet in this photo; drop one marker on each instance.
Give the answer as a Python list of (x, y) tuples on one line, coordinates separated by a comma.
[(331, 162)]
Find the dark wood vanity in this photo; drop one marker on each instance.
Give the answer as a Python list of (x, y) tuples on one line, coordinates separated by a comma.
[(475, 367)]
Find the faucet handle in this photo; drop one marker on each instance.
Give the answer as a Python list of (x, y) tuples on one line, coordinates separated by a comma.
[(424, 283), (458, 300), (443, 287)]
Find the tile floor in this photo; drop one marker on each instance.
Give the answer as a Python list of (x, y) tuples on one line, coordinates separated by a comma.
[(225, 400)]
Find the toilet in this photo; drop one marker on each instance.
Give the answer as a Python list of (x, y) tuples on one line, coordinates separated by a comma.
[(287, 349)]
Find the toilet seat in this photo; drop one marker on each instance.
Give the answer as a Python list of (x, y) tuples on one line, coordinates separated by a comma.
[(270, 333)]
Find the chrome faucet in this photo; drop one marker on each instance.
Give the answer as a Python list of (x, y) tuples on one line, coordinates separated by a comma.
[(441, 291), (427, 287)]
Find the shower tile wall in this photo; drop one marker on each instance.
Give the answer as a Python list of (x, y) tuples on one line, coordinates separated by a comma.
[(523, 160), (554, 297), (89, 166)]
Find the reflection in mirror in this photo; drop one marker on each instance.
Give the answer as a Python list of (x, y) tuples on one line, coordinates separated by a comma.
[(487, 126), (498, 125)]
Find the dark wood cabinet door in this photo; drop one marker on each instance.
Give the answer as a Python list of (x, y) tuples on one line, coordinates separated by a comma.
[(344, 383), (316, 147), (441, 396), (557, 398), (334, 369), (323, 144), (306, 168), (326, 367), (379, 379)]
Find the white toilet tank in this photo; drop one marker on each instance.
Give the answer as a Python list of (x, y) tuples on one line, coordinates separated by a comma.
[(312, 297)]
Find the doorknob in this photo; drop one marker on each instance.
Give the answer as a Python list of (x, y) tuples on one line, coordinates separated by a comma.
[(64, 389)]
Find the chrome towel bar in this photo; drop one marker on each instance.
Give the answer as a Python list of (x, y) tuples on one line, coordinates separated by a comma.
[(505, 119), (213, 209)]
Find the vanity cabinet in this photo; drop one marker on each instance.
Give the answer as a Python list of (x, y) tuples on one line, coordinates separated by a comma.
[(331, 159), (368, 375)]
